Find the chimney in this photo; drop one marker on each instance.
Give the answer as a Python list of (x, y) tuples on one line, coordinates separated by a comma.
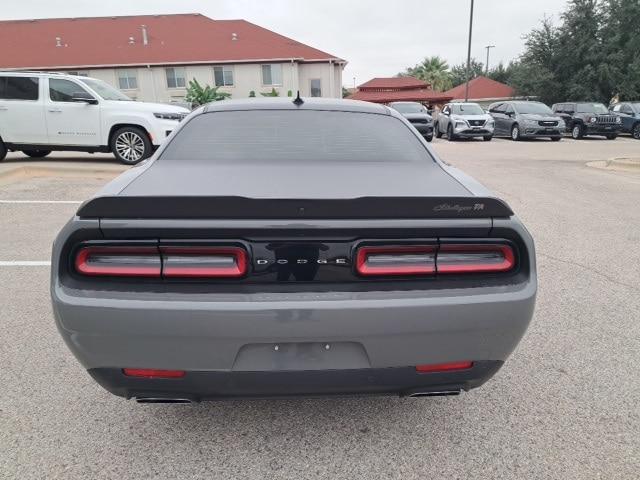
[(145, 36), (58, 42)]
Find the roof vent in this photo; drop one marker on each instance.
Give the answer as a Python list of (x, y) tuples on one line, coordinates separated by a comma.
[(234, 36), (145, 36), (58, 42), (132, 41)]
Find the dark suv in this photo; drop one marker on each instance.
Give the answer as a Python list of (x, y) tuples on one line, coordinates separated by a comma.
[(588, 118), (629, 113)]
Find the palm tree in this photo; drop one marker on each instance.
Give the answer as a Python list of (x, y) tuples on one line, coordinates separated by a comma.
[(433, 70)]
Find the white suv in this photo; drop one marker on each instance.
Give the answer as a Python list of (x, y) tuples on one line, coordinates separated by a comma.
[(41, 112)]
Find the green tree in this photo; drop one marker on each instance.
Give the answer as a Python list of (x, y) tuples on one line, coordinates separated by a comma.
[(198, 95), (459, 72), (433, 70)]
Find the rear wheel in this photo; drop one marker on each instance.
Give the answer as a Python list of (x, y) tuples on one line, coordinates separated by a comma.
[(131, 145), (436, 127), (577, 132), (515, 133), (450, 134), (3, 150), (36, 153), (487, 138), (636, 131)]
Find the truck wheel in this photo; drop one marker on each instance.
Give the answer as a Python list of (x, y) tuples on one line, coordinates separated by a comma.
[(450, 134), (636, 131), (612, 136), (36, 153), (515, 132), (130, 145), (436, 127), (576, 132), (3, 150)]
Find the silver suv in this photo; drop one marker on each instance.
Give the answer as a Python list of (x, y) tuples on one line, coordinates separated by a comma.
[(524, 119), (464, 120)]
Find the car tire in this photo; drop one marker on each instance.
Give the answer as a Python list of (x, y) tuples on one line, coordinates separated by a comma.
[(487, 138), (36, 153), (3, 150), (436, 127), (635, 131), (577, 132), (515, 132), (612, 136), (450, 136), (555, 139), (429, 138), (130, 145)]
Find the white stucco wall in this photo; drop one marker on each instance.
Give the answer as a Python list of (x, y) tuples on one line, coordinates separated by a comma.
[(152, 81)]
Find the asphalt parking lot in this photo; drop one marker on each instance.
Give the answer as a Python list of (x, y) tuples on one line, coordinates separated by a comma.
[(566, 405)]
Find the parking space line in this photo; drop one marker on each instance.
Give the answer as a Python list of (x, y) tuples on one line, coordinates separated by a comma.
[(41, 201), (25, 263)]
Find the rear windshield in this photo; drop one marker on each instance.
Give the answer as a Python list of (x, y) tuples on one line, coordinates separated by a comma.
[(297, 136), (534, 108)]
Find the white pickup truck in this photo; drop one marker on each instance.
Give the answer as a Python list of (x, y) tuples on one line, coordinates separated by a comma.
[(43, 111)]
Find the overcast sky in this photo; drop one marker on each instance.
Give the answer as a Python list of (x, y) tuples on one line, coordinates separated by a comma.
[(378, 38)]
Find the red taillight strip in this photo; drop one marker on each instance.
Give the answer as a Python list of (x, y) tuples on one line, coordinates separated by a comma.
[(152, 267), (194, 262), (444, 367), (153, 373), (363, 266), (507, 263)]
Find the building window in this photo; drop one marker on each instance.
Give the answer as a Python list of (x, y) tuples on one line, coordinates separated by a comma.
[(127, 80), (223, 76), (175, 77), (316, 87), (272, 74)]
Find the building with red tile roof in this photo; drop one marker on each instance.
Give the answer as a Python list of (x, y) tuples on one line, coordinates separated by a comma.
[(153, 57), (399, 89), (482, 90)]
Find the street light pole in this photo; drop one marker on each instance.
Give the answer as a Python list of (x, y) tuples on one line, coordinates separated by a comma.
[(466, 88), (488, 47)]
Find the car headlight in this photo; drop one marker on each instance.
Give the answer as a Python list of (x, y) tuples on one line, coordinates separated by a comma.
[(491, 123), (531, 123), (170, 116), (618, 120), (460, 124), (592, 119)]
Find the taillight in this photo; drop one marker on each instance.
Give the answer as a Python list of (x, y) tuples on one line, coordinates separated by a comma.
[(416, 260), (480, 258), (153, 373), (444, 367), (119, 261), (396, 260), (204, 262)]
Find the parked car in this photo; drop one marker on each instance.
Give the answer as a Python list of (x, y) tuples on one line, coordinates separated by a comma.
[(418, 115), (334, 254), (588, 118), (521, 119), (464, 120), (629, 113), (42, 112)]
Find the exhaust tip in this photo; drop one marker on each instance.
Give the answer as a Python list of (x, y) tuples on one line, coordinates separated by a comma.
[(163, 400)]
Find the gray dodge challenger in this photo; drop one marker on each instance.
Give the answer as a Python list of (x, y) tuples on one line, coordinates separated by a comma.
[(275, 248)]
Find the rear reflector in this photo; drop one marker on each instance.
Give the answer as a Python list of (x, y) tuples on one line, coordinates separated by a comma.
[(396, 260), (204, 262), (119, 261), (476, 258), (444, 367), (153, 373)]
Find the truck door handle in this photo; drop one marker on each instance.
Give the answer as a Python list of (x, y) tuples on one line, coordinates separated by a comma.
[(55, 110)]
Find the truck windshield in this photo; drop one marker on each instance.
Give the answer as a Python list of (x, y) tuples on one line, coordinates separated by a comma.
[(592, 108), (467, 109), (104, 90), (533, 108), (295, 136)]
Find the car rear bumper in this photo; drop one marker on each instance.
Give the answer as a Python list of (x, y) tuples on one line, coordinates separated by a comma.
[(424, 128), (197, 386)]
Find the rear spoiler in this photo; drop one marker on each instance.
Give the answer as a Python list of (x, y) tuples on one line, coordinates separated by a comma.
[(268, 208)]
